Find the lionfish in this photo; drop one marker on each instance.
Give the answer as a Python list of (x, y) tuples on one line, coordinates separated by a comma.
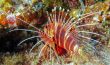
[(61, 33)]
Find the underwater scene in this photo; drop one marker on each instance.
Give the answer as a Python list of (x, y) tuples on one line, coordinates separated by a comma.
[(54, 32)]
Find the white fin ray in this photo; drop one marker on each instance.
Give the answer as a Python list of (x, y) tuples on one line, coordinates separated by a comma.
[(27, 39), (90, 33), (22, 30), (35, 45), (89, 38)]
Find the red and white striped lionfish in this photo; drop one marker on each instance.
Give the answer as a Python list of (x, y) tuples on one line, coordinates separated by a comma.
[(61, 33)]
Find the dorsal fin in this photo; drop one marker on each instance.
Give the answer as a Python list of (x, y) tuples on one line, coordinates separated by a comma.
[(58, 14)]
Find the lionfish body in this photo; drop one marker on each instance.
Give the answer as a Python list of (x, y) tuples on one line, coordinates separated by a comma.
[(59, 34)]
